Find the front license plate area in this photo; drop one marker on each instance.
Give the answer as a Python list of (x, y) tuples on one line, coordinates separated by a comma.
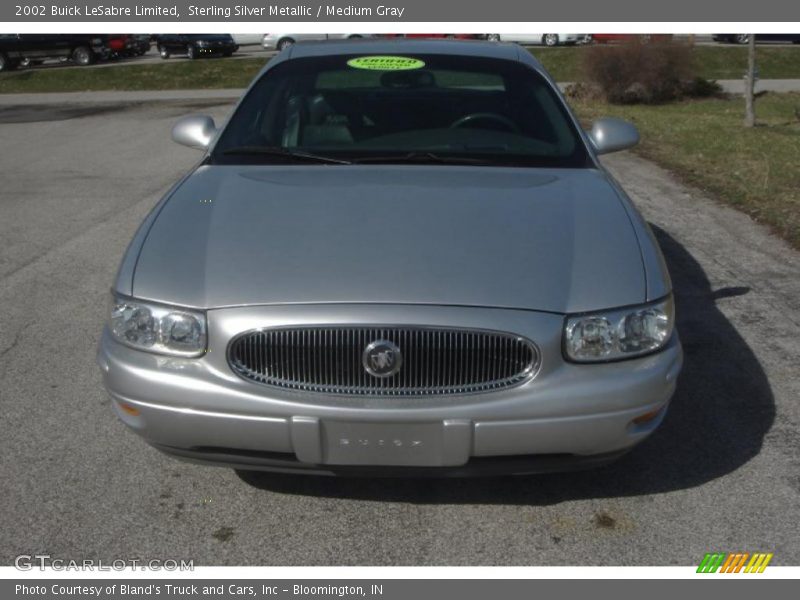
[(396, 444)]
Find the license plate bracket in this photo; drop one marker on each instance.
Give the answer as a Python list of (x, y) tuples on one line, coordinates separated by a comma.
[(390, 444)]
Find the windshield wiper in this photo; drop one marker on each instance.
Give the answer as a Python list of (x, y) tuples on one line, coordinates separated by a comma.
[(422, 158), (286, 153)]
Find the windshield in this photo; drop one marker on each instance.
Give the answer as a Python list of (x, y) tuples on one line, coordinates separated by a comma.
[(392, 109)]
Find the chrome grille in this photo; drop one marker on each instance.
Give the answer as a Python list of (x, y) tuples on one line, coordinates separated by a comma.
[(435, 361)]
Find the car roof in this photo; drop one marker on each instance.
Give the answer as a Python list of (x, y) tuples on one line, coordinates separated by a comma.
[(501, 50)]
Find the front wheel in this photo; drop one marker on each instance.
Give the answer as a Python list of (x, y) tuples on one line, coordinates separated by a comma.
[(191, 52), (163, 52), (493, 37), (742, 38), (551, 39), (82, 56)]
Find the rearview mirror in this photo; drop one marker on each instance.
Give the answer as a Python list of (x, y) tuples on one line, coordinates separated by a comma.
[(196, 131), (611, 135)]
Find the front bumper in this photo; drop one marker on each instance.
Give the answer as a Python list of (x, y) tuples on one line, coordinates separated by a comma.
[(568, 416)]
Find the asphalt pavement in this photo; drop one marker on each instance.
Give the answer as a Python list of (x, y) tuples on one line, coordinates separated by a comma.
[(65, 99), (720, 475)]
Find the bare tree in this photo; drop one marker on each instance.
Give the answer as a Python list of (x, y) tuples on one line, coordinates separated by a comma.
[(750, 84)]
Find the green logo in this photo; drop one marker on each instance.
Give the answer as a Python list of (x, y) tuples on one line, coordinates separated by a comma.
[(385, 63)]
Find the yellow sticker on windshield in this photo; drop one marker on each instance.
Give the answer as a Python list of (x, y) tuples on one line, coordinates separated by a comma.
[(385, 63)]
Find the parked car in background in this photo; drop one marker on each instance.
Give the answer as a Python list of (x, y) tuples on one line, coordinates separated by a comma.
[(139, 43), (743, 38), (435, 36), (395, 257), (279, 41), (542, 39), (604, 38), (451, 36), (34, 48), (195, 45), (248, 39), (128, 44)]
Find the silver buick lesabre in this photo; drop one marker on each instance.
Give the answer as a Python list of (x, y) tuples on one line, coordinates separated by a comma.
[(396, 257)]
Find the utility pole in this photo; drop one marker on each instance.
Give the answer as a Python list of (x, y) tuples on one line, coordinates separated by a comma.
[(750, 84)]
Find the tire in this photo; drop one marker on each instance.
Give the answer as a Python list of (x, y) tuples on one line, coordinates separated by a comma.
[(191, 52), (82, 55), (550, 39), (227, 54), (493, 37), (163, 52), (284, 43), (355, 36), (741, 38), (6, 64)]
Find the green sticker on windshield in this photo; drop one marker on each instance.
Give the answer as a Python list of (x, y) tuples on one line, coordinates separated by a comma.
[(385, 63)]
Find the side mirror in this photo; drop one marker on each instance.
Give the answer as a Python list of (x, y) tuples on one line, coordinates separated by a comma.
[(611, 135), (196, 131)]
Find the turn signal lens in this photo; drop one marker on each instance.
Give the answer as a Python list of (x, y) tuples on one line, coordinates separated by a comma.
[(646, 417), (127, 408)]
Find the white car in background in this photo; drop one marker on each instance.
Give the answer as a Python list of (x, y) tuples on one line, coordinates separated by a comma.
[(279, 41), (539, 39), (248, 39)]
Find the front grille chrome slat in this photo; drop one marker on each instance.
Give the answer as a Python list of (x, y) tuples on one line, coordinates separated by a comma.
[(435, 361)]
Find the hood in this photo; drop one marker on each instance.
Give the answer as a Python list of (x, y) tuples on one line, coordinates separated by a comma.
[(553, 240)]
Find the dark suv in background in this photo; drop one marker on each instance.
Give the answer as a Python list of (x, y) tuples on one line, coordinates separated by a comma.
[(35, 48)]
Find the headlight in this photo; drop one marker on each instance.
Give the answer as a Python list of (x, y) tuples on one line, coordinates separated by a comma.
[(619, 334), (156, 328)]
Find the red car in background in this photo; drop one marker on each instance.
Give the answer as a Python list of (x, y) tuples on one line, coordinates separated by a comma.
[(604, 38), (128, 45)]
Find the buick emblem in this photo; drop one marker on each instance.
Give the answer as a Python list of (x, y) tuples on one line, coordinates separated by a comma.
[(382, 358)]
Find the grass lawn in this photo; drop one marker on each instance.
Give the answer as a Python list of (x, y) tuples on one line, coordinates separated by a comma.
[(167, 75), (564, 63), (704, 143), (711, 62)]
